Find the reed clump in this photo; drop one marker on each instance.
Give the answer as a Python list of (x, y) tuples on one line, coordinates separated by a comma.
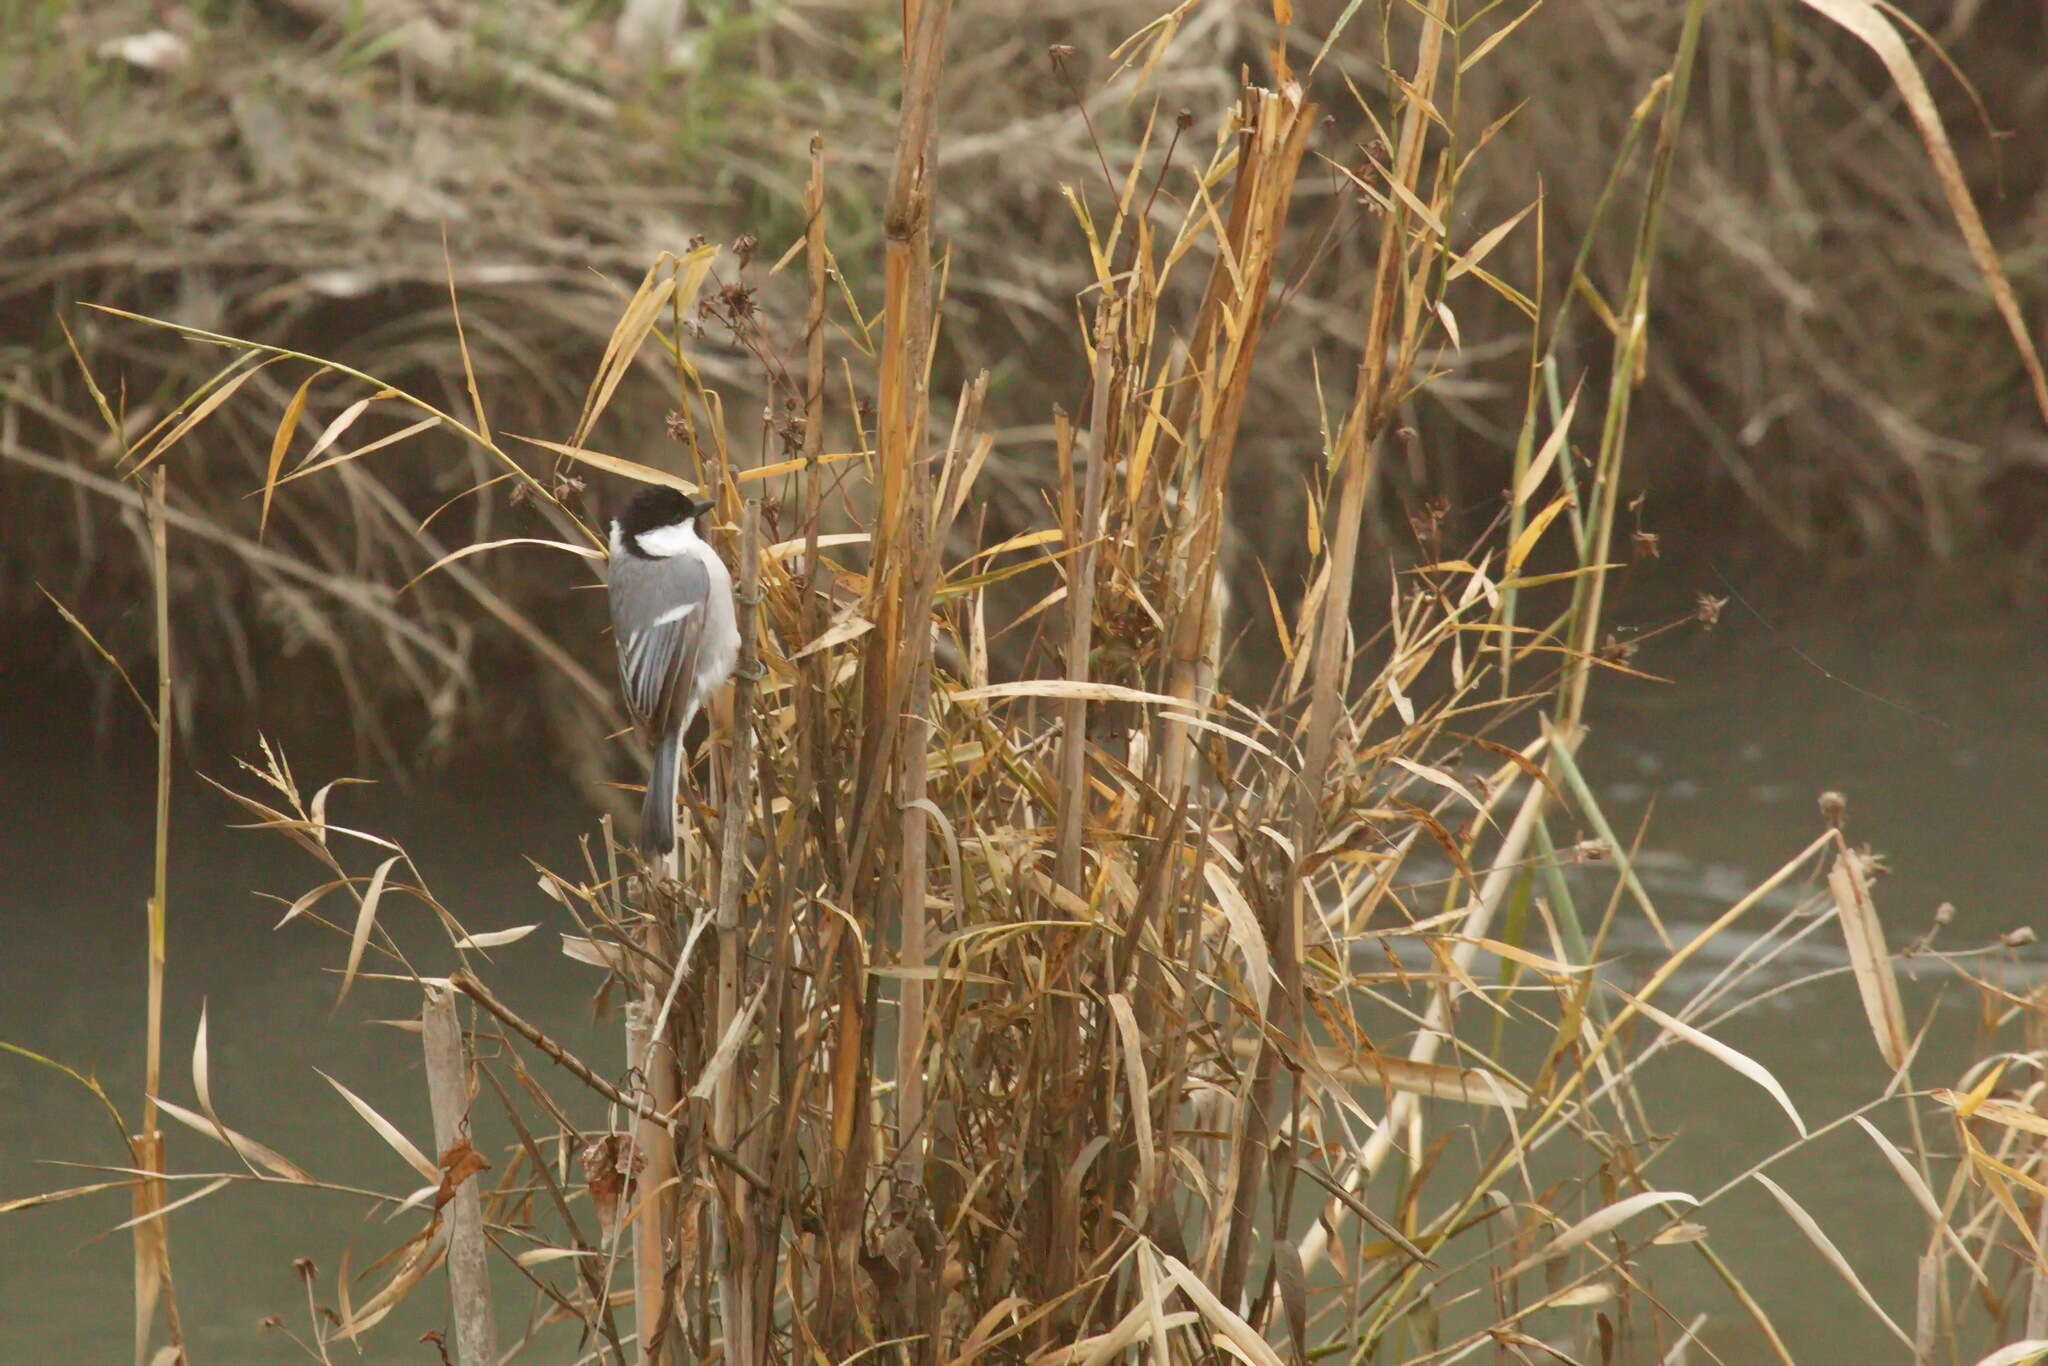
[(1020, 991)]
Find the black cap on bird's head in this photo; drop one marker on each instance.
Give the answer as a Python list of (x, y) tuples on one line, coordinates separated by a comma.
[(657, 506)]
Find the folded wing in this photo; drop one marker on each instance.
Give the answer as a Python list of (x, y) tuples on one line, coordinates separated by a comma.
[(667, 598)]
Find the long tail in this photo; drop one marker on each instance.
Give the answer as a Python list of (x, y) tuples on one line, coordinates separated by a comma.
[(658, 812)]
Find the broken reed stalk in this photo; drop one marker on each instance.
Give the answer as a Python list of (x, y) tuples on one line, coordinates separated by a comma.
[(653, 1151), (738, 1232), (469, 1277)]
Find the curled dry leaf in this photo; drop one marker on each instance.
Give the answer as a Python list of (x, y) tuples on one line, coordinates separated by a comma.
[(1849, 881), (607, 1174), (458, 1163)]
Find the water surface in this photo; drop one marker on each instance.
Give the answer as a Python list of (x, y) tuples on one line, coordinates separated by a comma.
[(1934, 722)]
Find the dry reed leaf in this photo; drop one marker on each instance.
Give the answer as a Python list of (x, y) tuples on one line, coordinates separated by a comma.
[(612, 464), (287, 426), (1546, 455), (460, 1162), (1923, 1196), (158, 1212), (1826, 1247), (1104, 1348), (1244, 933), (346, 419), (583, 551), (205, 409), (1068, 902), (1867, 22), (1486, 243), (201, 1076), (1875, 982), (240, 1143), (1599, 1222), (1180, 718), (1494, 39), (1532, 533), (307, 900), (932, 972), (1233, 1328), (1578, 1297), (799, 465), (1438, 1081), (1999, 1178), (541, 1256), (1450, 322), (317, 808), (387, 1131), (104, 653), (1680, 1234), (728, 1049), (1515, 953), (1440, 778), (422, 1253), (495, 938), (1141, 1099), (594, 953), (1157, 1322), (58, 1197), (850, 626), (391, 439), (1066, 689), (1728, 1057), (642, 313), (2017, 1353), (1997, 1111), (783, 550), (985, 1327), (366, 916)]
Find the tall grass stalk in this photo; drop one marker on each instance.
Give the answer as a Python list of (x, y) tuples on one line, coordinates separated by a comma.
[(153, 1281)]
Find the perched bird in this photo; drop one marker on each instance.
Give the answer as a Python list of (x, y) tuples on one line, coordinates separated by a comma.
[(677, 635)]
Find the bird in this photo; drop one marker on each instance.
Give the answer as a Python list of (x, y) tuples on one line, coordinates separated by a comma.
[(676, 631)]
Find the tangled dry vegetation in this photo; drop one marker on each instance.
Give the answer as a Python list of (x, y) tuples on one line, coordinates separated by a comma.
[(1074, 1008), (1826, 347)]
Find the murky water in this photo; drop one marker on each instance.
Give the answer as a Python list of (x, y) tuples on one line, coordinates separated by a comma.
[(1936, 726)]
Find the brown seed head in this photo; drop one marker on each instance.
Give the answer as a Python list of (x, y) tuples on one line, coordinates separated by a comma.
[(1833, 806)]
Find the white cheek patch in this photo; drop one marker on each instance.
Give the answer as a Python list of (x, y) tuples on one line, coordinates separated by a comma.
[(665, 541), (675, 614)]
